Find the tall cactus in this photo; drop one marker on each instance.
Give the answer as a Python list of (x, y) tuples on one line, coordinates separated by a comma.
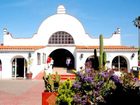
[(95, 53), (96, 61), (104, 60), (101, 53)]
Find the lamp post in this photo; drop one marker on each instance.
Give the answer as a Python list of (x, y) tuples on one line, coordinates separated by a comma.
[(29, 55)]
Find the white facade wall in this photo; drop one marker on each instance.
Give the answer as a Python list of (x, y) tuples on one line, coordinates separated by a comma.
[(47, 50), (6, 59), (110, 56), (126, 55), (61, 22)]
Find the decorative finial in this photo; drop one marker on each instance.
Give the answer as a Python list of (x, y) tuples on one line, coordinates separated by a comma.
[(61, 9), (118, 30), (4, 31)]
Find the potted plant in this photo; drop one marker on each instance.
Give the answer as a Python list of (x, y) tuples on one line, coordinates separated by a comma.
[(51, 87), (29, 73)]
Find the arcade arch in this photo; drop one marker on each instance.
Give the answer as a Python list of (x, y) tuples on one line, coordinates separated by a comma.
[(61, 56), (92, 62)]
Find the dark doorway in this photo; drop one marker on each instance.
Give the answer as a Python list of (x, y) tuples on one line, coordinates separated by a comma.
[(19, 67), (60, 56)]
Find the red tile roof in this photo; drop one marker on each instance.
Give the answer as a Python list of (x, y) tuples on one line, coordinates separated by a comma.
[(33, 48), (20, 48), (111, 48)]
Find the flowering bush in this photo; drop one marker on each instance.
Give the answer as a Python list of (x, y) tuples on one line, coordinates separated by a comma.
[(91, 86), (104, 88), (127, 91)]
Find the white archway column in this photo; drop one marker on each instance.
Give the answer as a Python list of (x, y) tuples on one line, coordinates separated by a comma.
[(24, 69), (15, 68)]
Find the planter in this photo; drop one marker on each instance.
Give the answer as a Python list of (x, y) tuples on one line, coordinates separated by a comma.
[(49, 98), (29, 75)]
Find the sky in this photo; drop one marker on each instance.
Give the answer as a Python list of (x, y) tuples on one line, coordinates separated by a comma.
[(22, 18)]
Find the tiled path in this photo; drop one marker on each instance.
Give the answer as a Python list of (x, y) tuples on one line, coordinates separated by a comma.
[(21, 92)]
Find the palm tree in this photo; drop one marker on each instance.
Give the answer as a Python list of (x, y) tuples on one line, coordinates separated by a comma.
[(137, 24)]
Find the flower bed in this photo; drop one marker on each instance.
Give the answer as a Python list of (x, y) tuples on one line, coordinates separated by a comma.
[(100, 88)]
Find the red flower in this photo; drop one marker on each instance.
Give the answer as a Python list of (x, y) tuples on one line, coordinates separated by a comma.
[(49, 59)]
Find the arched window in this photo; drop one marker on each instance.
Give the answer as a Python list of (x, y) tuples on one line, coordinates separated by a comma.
[(119, 63), (61, 37)]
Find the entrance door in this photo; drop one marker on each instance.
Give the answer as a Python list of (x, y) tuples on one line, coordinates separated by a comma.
[(19, 67)]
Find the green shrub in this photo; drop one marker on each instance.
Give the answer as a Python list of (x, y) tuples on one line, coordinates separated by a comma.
[(65, 93)]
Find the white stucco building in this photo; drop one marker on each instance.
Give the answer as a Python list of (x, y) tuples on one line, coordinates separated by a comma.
[(60, 36)]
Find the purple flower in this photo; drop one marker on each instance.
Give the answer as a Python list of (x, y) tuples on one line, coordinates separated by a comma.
[(77, 85), (115, 78), (104, 74), (88, 71), (135, 79), (88, 79), (77, 98), (80, 99), (79, 74)]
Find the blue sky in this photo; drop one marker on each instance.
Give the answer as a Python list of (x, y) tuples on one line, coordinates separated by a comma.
[(22, 18)]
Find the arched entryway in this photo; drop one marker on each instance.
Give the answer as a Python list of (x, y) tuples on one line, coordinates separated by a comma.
[(61, 56), (92, 62), (120, 63), (19, 67)]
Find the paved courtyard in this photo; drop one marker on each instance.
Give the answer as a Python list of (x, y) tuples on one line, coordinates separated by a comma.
[(21, 92)]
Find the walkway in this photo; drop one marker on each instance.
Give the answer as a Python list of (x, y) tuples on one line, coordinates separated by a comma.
[(21, 92)]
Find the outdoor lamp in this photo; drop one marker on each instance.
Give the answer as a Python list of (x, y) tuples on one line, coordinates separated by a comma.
[(29, 55)]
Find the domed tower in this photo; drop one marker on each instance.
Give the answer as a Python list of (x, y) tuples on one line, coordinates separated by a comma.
[(60, 23)]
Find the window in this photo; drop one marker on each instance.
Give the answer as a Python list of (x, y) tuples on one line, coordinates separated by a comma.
[(44, 58), (61, 38), (38, 58)]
